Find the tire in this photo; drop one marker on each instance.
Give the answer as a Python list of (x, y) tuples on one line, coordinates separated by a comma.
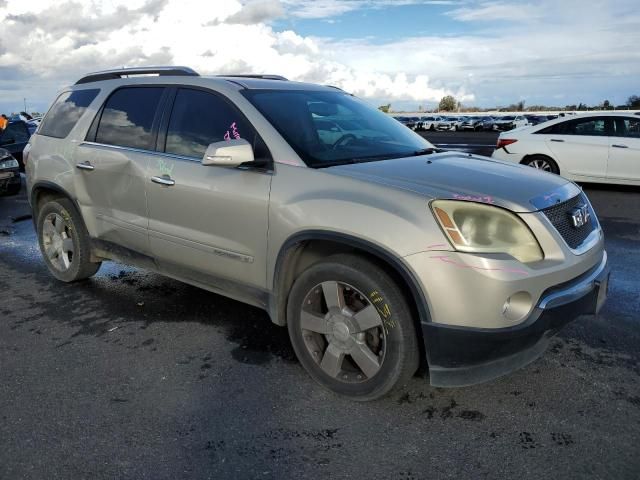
[(542, 162), (362, 351), (433, 127), (64, 241)]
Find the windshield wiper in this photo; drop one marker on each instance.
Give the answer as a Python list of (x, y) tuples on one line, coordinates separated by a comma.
[(425, 151)]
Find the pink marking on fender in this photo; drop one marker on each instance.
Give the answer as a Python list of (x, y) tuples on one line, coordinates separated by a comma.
[(445, 259), (474, 198), (437, 245)]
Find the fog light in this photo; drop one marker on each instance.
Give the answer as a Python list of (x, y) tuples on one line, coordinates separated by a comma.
[(517, 306)]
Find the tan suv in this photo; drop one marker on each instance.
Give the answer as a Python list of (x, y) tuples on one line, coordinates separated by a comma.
[(377, 251)]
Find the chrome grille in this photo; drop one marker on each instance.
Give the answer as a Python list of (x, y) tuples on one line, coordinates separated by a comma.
[(560, 217)]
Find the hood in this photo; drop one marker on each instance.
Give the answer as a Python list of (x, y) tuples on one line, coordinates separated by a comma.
[(455, 175)]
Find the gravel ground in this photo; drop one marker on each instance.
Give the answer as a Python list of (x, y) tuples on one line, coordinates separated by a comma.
[(132, 375)]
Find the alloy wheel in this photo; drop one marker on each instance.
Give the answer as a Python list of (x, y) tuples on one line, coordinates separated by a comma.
[(57, 242), (343, 332), (541, 164)]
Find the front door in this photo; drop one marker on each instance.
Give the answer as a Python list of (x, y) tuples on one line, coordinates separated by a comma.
[(208, 223)]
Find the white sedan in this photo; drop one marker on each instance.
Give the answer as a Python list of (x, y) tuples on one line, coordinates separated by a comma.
[(596, 147)]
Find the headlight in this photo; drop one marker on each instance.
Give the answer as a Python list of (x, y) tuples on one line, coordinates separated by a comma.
[(8, 162), (478, 228)]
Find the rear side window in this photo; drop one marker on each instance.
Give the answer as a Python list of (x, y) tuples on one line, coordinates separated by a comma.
[(16, 132), (593, 126), (65, 112), (127, 118), (628, 127), (200, 118)]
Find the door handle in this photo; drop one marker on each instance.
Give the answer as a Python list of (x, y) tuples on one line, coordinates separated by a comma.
[(619, 146), (84, 166), (557, 140), (166, 181)]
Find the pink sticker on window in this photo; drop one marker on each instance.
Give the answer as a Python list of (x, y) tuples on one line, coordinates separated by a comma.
[(233, 133)]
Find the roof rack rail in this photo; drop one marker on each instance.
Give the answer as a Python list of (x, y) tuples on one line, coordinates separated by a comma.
[(116, 73), (265, 77)]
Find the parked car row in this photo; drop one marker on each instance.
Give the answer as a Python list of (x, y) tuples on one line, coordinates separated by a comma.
[(474, 123)]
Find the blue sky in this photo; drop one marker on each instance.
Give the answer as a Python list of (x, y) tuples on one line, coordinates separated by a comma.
[(410, 53), (380, 24)]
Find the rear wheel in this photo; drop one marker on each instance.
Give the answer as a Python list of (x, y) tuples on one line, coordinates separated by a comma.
[(351, 328), (64, 241), (542, 162)]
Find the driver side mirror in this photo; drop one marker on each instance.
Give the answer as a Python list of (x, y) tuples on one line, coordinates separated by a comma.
[(228, 153)]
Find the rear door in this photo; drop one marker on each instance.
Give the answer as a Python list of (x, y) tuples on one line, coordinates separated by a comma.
[(210, 224), (581, 146), (112, 164), (624, 155)]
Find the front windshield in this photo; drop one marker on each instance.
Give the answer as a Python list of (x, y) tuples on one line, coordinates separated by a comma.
[(334, 128)]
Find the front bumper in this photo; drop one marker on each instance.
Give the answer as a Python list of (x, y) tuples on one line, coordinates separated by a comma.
[(461, 356), (9, 181)]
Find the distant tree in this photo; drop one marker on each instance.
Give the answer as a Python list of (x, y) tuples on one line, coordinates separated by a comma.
[(633, 102), (448, 104), (385, 108), (606, 105), (520, 106), (582, 106)]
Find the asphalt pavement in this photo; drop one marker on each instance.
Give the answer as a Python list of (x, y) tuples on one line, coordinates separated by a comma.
[(133, 375)]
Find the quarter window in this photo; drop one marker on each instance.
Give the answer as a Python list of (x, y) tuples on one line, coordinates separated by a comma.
[(127, 118), (200, 118), (65, 112)]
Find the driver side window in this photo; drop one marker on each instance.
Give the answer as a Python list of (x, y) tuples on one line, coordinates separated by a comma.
[(199, 118)]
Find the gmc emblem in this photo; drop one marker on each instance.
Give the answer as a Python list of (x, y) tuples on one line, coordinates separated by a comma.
[(580, 216)]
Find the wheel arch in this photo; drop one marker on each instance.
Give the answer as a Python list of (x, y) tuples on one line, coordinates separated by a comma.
[(45, 189), (303, 249)]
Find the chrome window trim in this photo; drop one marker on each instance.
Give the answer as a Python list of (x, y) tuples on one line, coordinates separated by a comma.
[(139, 150)]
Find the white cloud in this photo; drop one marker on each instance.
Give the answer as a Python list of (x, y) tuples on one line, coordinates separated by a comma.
[(257, 12)]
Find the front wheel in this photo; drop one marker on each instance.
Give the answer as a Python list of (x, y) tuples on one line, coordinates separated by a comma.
[(351, 328)]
